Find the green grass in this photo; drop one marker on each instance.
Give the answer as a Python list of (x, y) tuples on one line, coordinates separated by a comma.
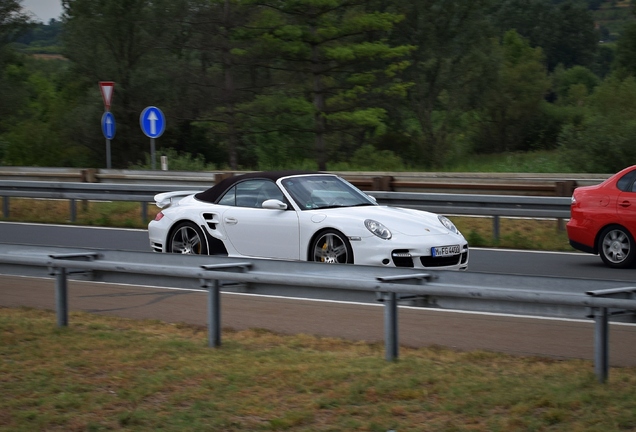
[(104, 373), (521, 162)]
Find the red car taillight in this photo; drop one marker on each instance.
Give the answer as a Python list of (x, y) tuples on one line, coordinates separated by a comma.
[(159, 216)]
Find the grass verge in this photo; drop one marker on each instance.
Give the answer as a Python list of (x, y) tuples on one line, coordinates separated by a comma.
[(104, 373), (514, 233)]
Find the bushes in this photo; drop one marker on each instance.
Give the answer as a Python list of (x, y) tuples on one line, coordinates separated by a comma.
[(604, 140)]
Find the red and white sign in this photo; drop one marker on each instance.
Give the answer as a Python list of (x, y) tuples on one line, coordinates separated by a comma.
[(106, 87)]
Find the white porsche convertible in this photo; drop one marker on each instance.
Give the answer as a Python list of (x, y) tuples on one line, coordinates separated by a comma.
[(303, 216)]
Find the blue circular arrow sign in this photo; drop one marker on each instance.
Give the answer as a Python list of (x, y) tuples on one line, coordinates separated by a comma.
[(152, 122), (108, 125)]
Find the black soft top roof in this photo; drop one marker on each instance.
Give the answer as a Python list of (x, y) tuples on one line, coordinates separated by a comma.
[(215, 192)]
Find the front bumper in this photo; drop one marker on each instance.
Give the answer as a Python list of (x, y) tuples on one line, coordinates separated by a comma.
[(407, 254)]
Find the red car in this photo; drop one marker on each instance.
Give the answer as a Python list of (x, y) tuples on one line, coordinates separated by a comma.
[(603, 219)]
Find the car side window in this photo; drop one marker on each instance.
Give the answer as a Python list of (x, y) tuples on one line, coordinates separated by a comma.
[(251, 193), (626, 183), (229, 199), (267, 191)]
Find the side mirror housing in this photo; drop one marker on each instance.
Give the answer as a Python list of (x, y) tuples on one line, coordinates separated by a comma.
[(274, 204)]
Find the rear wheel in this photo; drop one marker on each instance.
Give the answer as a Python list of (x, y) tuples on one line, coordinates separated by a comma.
[(616, 247), (331, 247), (187, 238)]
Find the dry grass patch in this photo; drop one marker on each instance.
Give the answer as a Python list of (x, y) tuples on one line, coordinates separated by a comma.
[(105, 373), (515, 233), (95, 213)]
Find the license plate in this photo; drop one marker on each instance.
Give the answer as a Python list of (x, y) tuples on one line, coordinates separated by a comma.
[(442, 251)]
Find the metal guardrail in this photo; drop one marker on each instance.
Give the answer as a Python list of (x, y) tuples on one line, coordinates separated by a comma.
[(434, 182), (480, 205), (494, 206), (441, 289), (81, 191)]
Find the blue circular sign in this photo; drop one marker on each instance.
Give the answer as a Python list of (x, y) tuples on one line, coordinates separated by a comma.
[(152, 122), (108, 125)]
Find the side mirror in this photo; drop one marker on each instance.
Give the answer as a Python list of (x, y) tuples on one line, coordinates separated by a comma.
[(274, 204)]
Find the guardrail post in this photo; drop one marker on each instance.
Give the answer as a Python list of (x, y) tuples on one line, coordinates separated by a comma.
[(73, 210), (601, 344), (601, 327), (384, 183), (214, 298), (390, 326), (144, 212), (564, 188), (495, 228), (391, 310), (214, 312), (61, 284), (5, 206), (61, 297)]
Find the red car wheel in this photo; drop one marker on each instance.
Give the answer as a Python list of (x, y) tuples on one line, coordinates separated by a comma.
[(616, 247)]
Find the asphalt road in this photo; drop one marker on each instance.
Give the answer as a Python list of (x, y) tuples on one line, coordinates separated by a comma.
[(500, 261), (417, 327)]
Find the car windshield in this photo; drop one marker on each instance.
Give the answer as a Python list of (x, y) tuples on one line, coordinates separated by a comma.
[(320, 192)]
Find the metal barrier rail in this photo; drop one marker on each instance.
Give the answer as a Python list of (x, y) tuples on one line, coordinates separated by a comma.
[(388, 285), (457, 204), (482, 205), (444, 182), (81, 191)]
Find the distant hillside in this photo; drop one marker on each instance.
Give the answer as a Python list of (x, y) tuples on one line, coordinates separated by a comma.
[(611, 16), (41, 39)]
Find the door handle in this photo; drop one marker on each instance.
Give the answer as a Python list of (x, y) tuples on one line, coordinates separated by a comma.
[(625, 204), (231, 221)]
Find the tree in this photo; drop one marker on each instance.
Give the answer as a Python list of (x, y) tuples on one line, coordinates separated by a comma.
[(450, 69), (625, 56), (565, 32), (221, 39), (604, 140), (13, 22), (42, 36), (513, 104), (137, 44), (332, 56), (572, 86)]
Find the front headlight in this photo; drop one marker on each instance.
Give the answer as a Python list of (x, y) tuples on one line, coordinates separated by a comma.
[(448, 224), (378, 229)]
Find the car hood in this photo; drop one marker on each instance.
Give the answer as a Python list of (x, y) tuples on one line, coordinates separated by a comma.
[(399, 220)]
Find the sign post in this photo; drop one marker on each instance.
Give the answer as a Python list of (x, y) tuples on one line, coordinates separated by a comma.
[(108, 121), (108, 128), (153, 123)]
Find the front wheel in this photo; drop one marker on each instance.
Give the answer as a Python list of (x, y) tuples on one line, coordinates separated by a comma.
[(187, 238), (331, 247), (616, 247)]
